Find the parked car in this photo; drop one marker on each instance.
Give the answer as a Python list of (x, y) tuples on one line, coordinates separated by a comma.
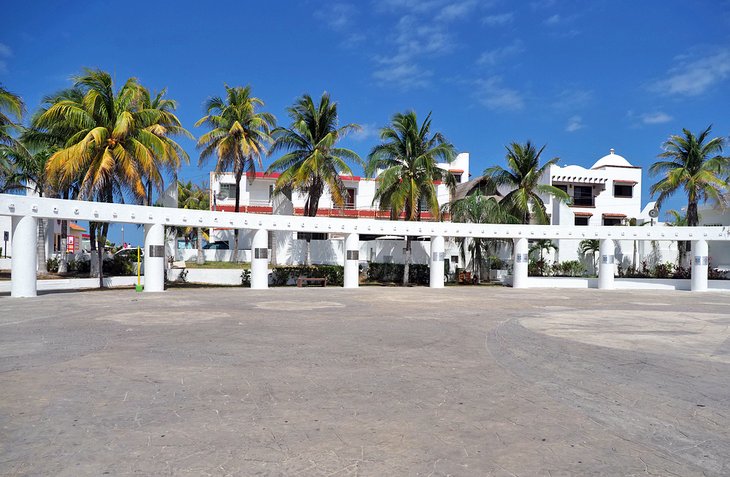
[(216, 246)]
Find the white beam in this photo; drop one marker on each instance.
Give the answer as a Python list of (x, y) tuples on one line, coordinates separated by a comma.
[(352, 261), (260, 259), (436, 265), (700, 264), (606, 265), (80, 210)]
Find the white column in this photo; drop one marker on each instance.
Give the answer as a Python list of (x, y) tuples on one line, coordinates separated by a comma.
[(24, 263), (700, 263), (154, 258), (606, 265), (519, 266), (436, 264), (260, 259), (352, 261)]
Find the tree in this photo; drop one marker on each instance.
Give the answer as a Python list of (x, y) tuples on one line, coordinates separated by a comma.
[(591, 246), (693, 164), (11, 107), (522, 177), (313, 161), (408, 158), (542, 245), (192, 196), (238, 136), (478, 209), (679, 220), (110, 147)]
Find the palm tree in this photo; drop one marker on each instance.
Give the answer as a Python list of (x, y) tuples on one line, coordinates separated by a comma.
[(110, 147), (408, 159), (313, 161), (478, 209), (591, 246), (192, 196), (693, 164), (11, 107), (238, 136), (679, 220), (542, 245), (164, 125), (522, 176)]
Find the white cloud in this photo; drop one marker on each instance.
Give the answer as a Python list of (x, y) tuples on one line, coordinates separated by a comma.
[(404, 76), (657, 117), (456, 10), (498, 20), (492, 57), (574, 124), (572, 99), (552, 20), (692, 77), (367, 131), (337, 16), (494, 95)]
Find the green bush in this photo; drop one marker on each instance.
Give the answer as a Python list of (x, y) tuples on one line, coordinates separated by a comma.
[(393, 273), (52, 265), (80, 266), (246, 278), (569, 268), (280, 276), (119, 265)]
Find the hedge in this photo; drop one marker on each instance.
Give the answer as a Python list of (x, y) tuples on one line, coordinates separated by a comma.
[(281, 276), (393, 273)]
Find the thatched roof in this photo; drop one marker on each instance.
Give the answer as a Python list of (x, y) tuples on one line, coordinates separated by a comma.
[(482, 184)]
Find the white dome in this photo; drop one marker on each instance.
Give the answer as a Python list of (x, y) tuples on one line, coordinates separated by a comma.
[(612, 159)]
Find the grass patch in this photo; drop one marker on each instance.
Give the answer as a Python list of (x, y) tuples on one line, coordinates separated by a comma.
[(220, 265)]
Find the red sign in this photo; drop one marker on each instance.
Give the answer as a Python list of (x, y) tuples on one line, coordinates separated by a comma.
[(70, 242)]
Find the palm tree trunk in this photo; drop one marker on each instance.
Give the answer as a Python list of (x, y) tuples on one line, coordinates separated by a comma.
[(93, 257), (234, 252), (63, 261), (149, 192), (100, 245), (200, 259), (40, 247), (693, 218), (407, 261)]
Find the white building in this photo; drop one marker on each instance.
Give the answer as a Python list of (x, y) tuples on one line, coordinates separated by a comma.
[(257, 196), (606, 194)]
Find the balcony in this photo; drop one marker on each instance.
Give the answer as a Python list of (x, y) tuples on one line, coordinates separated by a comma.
[(583, 201)]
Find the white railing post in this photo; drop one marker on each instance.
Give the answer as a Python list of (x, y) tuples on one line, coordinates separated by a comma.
[(436, 264), (519, 265), (352, 261), (24, 262), (606, 265), (260, 259), (700, 264), (154, 258)]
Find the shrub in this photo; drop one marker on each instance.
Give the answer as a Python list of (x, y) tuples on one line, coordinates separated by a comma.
[(246, 278), (496, 263), (52, 265), (281, 276), (119, 266), (538, 268), (418, 274), (570, 268), (80, 266), (663, 270)]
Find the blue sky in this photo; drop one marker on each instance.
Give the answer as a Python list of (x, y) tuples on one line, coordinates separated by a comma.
[(581, 77)]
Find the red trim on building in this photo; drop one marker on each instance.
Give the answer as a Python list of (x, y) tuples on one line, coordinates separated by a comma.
[(276, 175), (251, 209)]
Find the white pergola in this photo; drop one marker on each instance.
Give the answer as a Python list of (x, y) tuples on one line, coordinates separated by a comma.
[(25, 212)]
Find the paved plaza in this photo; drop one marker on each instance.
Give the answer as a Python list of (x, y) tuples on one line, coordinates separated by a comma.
[(373, 381)]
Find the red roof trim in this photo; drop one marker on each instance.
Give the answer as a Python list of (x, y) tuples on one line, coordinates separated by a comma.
[(614, 216), (583, 214), (625, 182), (461, 171)]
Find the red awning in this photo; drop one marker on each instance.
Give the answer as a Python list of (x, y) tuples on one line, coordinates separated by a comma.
[(614, 216), (625, 182), (583, 214), (76, 227)]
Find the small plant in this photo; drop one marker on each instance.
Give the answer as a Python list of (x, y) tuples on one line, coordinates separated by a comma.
[(183, 277), (570, 268), (246, 278), (334, 274), (418, 274), (52, 265)]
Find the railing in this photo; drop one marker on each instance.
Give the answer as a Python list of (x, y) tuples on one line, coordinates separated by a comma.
[(583, 202)]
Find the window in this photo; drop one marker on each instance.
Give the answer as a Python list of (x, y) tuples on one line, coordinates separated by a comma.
[(563, 187), (623, 190), (229, 190), (422, 204), (582, 220), (583, 196), (309, 236), (349, 198), (611, 221), (458, 178)]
